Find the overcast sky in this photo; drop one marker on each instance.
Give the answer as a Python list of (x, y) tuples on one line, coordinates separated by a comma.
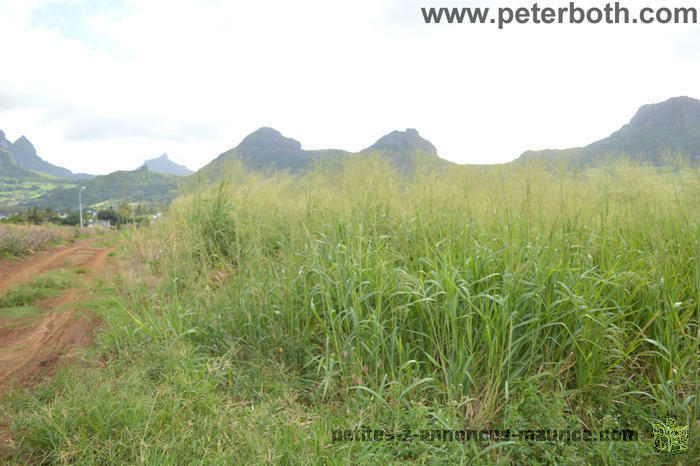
[(99, 86)]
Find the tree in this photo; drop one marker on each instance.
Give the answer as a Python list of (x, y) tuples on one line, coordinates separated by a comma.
[(108, 214), (125, 210), (72, 219), (34, 216), (114, 217)]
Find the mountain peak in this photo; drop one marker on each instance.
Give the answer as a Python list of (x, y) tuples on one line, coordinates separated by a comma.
[(266, 131), (404, 141), (25, 156), (676, 111), (265, 140), (23, 142), (268, 148), (164, 165)]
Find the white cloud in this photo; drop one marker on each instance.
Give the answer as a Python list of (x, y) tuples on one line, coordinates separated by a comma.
[(192, 79)]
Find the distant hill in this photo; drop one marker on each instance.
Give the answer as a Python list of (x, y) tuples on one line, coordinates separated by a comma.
[(27, 180), (25, 156), (166, 166), (405, 149), (264, 149), (19, 185), (142, 186), (267, 149), (668, 128)]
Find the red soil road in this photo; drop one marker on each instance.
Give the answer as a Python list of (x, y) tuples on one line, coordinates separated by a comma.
[(27, 351), (15, 272)]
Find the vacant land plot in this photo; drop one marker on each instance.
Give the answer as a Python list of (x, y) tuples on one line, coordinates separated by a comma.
[(263, 315)]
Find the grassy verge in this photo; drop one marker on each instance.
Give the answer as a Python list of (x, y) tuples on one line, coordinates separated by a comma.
[(267, 313), (47, 285)]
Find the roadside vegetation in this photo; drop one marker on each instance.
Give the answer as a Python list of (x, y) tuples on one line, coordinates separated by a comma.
[(263, 313), (22, 240)]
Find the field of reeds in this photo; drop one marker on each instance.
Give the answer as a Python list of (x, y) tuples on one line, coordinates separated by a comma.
[(23, 240), (265, 313)]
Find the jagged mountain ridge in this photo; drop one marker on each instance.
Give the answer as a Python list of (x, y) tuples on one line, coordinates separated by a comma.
[(25, 156)]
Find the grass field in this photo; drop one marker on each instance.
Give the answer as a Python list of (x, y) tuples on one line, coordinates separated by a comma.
[(263, 314)]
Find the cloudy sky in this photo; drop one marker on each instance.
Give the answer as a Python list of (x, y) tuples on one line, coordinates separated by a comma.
[(102, 85)]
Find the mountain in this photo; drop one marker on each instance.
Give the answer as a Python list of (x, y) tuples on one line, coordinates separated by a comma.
[(25, 156), (656, 130), (405, 149), (267, 149), (4, 143), (9, 170), (141, 185), (166, 166)]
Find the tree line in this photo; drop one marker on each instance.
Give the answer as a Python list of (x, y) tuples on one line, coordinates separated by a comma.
[(122, 215)]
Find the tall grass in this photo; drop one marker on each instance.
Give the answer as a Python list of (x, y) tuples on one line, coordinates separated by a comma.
[(459, 285), (480, 297), (20, 240)]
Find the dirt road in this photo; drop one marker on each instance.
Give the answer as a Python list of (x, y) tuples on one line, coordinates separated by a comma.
[(29, 350), (13, 273)]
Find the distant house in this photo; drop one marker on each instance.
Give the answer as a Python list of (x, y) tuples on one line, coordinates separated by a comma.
[(99, 224)]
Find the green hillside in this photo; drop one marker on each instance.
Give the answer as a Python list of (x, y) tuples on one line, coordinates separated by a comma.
[(142, 186), (22, 187), (656, 132)]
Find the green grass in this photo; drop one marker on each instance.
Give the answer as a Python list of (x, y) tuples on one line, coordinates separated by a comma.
[(18, 312), (47, 285), (113, 238), (277, 310)]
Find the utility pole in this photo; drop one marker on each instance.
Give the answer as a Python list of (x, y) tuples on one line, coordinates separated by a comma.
[(80, 206)]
